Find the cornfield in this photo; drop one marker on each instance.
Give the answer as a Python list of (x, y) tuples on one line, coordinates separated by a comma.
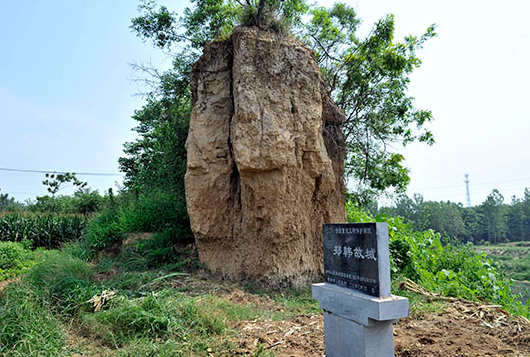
[(44, 230)]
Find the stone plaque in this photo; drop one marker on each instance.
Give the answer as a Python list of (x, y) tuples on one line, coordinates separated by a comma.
[(356, 257)]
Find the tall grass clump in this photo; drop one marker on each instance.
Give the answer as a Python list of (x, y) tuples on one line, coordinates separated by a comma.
[(165, 314), (44, 230), (28, 328), (455, 271), (63, 281), (105, 229)]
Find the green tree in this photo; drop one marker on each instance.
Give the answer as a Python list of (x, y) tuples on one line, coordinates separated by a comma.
[(446, 218), (367, 77), (494, 212), (525, 202), (157, 159), (8, 203), (473, 222), (515, 220), (55, 182)]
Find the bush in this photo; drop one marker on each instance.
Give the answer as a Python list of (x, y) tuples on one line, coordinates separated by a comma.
[(105, 229), (11, 255), (84, 201), (153, 211), (450, 270), (15, 258)]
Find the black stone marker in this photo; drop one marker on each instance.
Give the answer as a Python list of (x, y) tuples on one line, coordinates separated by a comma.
[(359, 309), (351, 256)]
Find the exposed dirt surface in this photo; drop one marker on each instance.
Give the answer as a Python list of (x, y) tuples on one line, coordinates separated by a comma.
[(461, 329), (456, 331), (265, 159)]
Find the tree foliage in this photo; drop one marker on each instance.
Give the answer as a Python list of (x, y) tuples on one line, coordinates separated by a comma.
[(367, 77), (8, 203), (55, 182), (492, 221)]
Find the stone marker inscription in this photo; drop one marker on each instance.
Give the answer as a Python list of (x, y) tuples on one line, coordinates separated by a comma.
[(350, 256)]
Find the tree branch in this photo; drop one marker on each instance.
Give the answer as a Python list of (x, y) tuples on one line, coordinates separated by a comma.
[(261, 5)]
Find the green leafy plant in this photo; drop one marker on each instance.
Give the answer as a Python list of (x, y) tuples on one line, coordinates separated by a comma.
[(11, 255), (446, 269)]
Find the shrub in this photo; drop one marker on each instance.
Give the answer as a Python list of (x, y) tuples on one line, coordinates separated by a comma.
[(450, 270), (105, 229), (11, 255), (153, 211), (84, 201)]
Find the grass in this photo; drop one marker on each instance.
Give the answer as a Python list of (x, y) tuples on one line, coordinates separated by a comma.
[(29, 328), (154, 312)]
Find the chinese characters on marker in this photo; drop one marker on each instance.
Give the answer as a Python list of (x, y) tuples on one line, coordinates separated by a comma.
[(356, 252), (353, 230)]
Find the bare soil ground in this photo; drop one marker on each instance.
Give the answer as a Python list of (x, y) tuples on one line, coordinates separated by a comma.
[(456, 331), (459, 328)]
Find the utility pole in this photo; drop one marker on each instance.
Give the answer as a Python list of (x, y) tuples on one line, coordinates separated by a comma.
[(467, 190)]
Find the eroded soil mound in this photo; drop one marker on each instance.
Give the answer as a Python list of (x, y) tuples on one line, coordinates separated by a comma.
[(265, 159)]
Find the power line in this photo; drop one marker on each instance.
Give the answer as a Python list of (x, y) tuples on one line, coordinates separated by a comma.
[(60, 172)]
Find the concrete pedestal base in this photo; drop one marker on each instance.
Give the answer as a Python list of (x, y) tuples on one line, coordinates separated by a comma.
[(344, 337), (356, 324)]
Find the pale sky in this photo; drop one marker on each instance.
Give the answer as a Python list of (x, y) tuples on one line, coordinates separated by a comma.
[(66, 98)]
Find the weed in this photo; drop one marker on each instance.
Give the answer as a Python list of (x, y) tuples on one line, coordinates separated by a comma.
[(14, 259), (11, 255)]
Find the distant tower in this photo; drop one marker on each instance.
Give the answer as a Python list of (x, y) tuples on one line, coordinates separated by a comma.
[(467, 190)]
